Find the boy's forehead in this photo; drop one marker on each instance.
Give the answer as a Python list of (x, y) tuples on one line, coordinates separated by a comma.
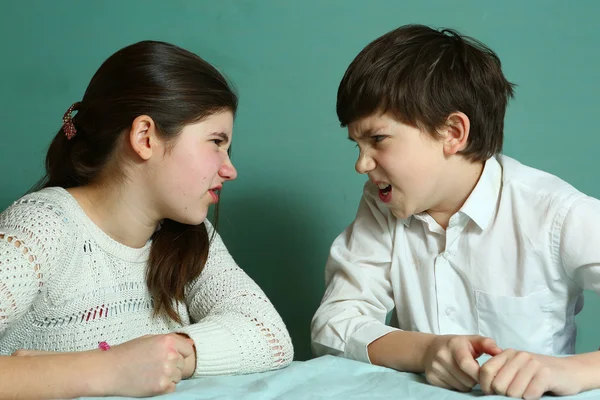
[(366, 126)]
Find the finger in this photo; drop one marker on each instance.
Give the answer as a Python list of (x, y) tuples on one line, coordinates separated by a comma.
[(180, 364), (436, 381), (185, 337), (507, 373), (176, 375), (535, 389), (442, 371), (183, 346), (462, 376), (170, 388), (489, 370), (466, 363), (484, 345), (454, 383), (520, 383)]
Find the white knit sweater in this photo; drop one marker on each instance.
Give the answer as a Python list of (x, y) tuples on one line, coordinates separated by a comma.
[(66, 286)]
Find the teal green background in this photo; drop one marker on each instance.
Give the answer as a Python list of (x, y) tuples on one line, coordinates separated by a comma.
[(297, 188)]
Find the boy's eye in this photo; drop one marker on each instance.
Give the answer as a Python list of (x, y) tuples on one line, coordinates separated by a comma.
[(218, 142), (377, 138)]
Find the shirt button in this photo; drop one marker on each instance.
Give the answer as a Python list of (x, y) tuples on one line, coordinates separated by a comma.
[(449, 311)]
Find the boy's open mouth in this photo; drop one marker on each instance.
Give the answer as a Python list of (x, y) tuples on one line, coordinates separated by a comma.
[(385, 192)]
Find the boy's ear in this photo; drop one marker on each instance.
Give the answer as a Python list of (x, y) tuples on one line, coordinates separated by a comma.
[(455, 133), (142, 137)]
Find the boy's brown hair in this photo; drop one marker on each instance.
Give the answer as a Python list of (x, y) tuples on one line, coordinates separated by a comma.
[(420, 76)]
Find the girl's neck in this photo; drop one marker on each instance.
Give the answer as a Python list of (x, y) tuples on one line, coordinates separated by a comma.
[(121, 212)]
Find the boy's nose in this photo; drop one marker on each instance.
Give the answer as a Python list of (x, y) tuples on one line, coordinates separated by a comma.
[(364, 164)]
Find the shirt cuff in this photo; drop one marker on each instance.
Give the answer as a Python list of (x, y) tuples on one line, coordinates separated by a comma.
[(217, 352), (356, 346)]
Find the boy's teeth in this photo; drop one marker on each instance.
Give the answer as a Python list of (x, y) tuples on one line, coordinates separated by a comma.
[(383, 185)]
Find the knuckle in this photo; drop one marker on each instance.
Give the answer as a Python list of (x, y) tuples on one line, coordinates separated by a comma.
[(168, 369), (173, 355), (429, 376), (163, 385), (523, 356), (498, 388), (438, 358), (433, 380), (464, 388), (486, 371), (168, 339), (543, 372), (167, 343), (534, 391), (510, 352), (454, 341), (177, 378), (463, 364), (535, 364), (436, 366)]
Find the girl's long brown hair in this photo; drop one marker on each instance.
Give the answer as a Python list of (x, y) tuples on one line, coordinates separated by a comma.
[(172, 86)]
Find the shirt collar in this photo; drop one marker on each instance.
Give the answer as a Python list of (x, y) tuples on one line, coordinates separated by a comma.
[(481, 203)]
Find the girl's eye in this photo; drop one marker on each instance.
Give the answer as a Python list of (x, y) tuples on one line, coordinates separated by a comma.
[(377, 138), (218, 142)]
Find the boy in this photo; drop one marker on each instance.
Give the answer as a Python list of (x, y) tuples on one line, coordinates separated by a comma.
[(477, 253)]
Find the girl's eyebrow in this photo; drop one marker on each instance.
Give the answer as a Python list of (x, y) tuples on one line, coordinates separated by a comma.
[(222, 135)]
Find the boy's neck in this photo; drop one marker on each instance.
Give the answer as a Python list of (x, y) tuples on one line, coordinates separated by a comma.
[(461, 178)]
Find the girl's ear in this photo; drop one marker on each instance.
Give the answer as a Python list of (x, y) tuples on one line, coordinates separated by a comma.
[(142, 137)]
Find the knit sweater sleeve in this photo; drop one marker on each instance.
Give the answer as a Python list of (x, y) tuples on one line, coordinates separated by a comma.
[(31, 240), (235, 328)]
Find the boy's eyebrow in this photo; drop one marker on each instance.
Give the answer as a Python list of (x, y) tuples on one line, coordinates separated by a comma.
[(363, 134)]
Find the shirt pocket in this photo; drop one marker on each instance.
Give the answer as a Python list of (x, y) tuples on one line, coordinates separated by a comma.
[(520, 323)]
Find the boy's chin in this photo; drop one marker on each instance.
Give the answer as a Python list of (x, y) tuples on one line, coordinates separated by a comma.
[(400, 214)]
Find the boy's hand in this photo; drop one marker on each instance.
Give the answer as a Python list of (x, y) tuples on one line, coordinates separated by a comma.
[(525, 375), (450, 360)]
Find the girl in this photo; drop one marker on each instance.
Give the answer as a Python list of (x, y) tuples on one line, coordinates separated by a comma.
[(110, 275)]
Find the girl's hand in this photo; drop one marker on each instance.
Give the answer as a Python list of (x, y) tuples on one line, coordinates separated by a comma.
[(147, 366)]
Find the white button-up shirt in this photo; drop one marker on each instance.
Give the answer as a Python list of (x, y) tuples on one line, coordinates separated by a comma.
[(512, 265)]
